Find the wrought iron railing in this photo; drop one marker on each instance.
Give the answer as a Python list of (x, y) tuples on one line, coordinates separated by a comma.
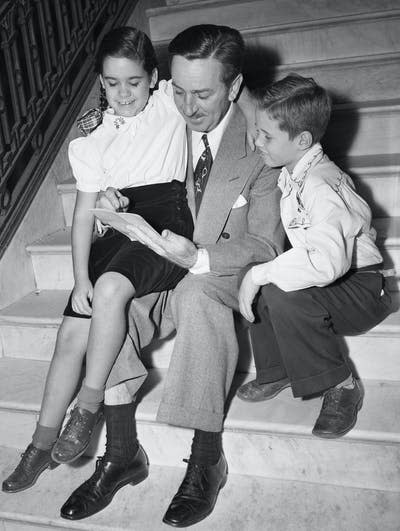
[(46, 58)]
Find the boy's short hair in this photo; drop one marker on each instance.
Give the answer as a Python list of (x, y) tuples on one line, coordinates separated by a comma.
[(298, 104)]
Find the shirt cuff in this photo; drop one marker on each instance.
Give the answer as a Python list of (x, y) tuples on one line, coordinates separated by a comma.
[(202, 264), (259, 274)]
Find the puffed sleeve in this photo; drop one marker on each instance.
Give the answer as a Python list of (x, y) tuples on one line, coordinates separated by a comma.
[(165, 93), (86, 166)]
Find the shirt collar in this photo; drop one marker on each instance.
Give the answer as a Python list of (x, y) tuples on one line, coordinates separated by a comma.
[(214, 137), (300, 171)]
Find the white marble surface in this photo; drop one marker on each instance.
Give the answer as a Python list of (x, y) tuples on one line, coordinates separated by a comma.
[(247, 15), (28, 329), (270, 439), (245, 504)]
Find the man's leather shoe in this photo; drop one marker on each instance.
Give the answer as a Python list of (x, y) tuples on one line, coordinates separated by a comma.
[(255, 392), (33, 462), (75, 437), (197, 494), (339, 411), (98, 491)]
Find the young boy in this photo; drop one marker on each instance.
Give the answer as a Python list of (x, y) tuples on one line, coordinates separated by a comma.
[(330, 282)]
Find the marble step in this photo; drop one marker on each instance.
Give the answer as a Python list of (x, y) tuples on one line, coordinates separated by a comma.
[(290, 31), (360, 78), (246, 503), (28, 330), (270, 439), (353, 128), (377, 178), (52, 262)]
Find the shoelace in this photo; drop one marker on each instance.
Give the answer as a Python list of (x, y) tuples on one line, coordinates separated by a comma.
[(26, 460), (76, 425), (332, 399), (192, 482)]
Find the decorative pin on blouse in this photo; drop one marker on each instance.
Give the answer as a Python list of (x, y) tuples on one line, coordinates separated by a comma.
[(119, 121)]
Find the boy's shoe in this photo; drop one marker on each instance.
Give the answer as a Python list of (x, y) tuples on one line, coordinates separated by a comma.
[(33, 462), (75, 437), (339, 411), (255, 392)]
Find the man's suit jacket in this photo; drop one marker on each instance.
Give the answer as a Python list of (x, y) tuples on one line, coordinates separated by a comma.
[(238, 221), (233, 237)]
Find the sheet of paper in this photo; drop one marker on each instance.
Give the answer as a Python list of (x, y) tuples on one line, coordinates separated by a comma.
[(120, 220)]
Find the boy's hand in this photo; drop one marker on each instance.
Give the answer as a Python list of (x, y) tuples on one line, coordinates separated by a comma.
[(247, 291), (82, 294), (112, 199)]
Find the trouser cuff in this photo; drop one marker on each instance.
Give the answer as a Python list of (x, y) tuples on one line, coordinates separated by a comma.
[(320, 382), (186, 417), (271, 375)]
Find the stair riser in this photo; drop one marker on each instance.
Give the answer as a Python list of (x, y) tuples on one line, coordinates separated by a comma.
[(375, 357), (367, 132), (28, 342), (260, 454), (323, 43), (265, 16), (381, 189), (53, 271), (349, 81), (68, 203)]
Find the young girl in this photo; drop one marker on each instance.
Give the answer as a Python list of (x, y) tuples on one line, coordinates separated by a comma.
[(140, 148)]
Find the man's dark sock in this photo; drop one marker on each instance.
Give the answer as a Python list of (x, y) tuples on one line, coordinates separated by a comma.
[(206, 447), (122, 444)]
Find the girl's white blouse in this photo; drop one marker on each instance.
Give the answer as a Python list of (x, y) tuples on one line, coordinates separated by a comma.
[(140, 150)]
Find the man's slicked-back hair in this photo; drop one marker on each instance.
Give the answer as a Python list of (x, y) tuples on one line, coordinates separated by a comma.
[(224, 44), (298, 104)]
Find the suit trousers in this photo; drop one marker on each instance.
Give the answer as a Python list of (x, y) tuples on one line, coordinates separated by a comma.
[(205, 352), (299, 334)]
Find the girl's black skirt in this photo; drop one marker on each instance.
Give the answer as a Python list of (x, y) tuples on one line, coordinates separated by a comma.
[(162, 205)]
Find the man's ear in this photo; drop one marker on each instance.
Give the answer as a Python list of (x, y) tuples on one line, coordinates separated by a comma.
[(154, 78), (235, 87), (305, 140)]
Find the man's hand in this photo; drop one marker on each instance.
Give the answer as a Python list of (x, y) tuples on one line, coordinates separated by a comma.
[(247, 291), (112, 199), (82, 294), (173, 247)]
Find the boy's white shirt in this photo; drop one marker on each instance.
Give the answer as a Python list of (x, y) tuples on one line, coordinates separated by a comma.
[(327, 223)]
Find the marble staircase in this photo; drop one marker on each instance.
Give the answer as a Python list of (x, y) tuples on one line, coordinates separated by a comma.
[(281, 478)]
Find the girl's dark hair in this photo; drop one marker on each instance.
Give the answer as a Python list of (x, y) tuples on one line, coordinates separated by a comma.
[(208, 40), (129, 42)]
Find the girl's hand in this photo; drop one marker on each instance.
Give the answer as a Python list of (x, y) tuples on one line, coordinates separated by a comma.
[(112, 199), (82, 294), (247, 291)]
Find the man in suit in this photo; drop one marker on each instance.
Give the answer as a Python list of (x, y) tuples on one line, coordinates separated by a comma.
[(235, 205)]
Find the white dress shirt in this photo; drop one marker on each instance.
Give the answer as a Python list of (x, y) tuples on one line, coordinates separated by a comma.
[(145, 149), (327, 223)]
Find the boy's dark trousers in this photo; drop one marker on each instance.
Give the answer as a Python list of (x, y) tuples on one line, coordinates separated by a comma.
[(298, 333)]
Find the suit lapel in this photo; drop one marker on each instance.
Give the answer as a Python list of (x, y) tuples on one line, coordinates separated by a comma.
[(189, 174), (225, 182)]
